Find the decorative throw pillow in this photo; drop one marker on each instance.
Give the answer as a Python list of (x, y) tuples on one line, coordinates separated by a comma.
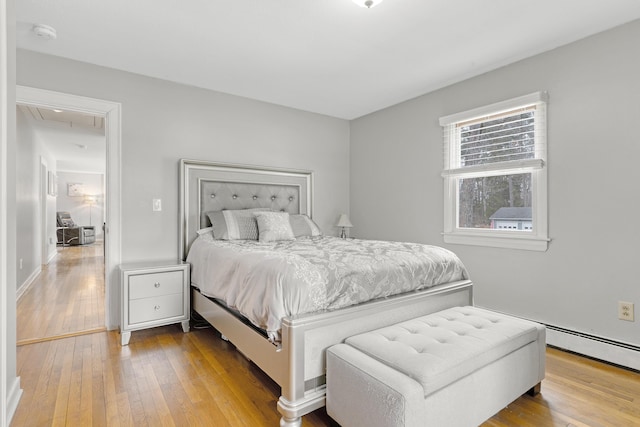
[(302, 225), (204, 231), (235, 224), (274, 226)]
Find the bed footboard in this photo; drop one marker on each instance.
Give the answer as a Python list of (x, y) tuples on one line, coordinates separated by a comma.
[(306, 339)]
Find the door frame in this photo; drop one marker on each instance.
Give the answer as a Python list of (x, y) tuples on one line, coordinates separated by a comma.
[(113, 230), (44, 187)]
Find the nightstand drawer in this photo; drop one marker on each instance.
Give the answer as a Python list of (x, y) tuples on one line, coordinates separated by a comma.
[(156, 284), (160, 307)]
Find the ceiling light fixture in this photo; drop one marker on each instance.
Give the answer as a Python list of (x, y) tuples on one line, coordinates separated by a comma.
[(367, 3), (45, 32)]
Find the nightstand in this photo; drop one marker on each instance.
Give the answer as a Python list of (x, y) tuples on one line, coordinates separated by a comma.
[(153, 294)]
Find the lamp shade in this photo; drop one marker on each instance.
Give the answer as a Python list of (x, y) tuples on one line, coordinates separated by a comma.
[(343, 221)]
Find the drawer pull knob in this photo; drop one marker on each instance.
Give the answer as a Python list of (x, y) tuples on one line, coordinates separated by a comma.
[(157, 284), (156, 308)]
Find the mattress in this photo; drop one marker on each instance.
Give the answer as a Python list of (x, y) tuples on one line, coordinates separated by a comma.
[(266, 282)]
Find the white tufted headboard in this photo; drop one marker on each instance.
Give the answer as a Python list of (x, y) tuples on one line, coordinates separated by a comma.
[(207, 186)]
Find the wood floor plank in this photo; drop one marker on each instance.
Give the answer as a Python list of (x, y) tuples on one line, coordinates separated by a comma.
[(43, 394), (157, 397), (117, 411), (75, 386), (64, 387), (184, 372)]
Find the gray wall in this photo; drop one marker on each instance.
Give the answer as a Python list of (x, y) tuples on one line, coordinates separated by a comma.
[(594, 149), (27, 202), (163, 122), (30, 154)]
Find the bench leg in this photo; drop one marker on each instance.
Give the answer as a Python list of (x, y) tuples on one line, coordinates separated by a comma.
[(535, 389)]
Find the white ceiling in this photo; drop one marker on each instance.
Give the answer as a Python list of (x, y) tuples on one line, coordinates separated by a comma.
[(325, 56), (76, 140), (67, 119)]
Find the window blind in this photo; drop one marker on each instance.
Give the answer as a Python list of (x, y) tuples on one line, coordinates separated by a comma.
[(510, 137), (509, 140)]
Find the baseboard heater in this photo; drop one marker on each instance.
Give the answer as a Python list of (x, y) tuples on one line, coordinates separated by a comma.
[(616, 352)]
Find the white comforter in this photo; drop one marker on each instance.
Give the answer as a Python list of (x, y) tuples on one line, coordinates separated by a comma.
[(266, 282)]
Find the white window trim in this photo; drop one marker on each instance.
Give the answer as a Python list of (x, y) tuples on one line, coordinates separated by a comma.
[(536, 240)]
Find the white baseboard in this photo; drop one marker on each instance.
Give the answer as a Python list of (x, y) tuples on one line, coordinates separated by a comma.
[(605, 349), (599, 348), (14, 393), (23, 288)]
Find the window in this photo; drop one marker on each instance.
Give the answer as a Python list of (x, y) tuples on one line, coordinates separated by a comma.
[(495, 176)]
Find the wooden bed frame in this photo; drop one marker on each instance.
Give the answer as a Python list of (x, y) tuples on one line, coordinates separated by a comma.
[(298, 363)]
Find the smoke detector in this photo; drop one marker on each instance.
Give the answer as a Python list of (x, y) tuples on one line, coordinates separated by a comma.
[(45, 32)]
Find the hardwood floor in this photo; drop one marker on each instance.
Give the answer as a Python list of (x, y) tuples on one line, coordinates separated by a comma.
[(66, 298), (166, 377)]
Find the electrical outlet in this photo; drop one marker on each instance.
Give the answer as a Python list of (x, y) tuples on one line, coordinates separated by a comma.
[(625, 311)]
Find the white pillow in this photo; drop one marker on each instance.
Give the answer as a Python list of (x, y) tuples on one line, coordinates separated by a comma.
[(302, 226), (205, 231), (273, 226), (235, 224)]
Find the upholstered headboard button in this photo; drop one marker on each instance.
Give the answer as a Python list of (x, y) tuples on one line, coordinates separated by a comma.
[(273, 198), (290, 198), (213, 196), (235, 196), (255, 197)]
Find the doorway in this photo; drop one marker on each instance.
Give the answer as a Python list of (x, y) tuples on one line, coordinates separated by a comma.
[(112, 235), (61, 289)]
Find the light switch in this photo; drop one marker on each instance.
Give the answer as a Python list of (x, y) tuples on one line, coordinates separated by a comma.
[(157, 205)]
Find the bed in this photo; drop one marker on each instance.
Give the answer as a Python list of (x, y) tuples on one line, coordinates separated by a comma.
[(293, 352)]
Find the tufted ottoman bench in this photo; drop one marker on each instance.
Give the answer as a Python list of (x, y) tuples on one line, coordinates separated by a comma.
[(457, 367)]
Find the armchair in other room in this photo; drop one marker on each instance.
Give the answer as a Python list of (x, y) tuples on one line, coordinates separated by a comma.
[(72, 234)]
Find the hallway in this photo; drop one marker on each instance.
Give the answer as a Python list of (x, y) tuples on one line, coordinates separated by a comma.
[(67, 297)]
